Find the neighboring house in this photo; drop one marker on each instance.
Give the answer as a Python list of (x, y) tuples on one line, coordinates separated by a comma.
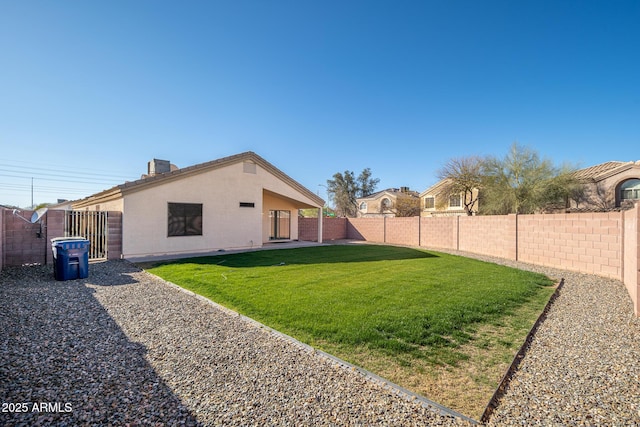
[(431, 203), (389, 203), (236, 202), (63, 205), (609, 185)]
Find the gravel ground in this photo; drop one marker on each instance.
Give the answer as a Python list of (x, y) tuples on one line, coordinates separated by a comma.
[(124, 347), (582, 367)]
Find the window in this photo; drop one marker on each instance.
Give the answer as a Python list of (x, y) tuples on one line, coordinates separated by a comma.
[(454, 201), (185, 219), (630, 190), (429, 202), (247, 205), (386, 204), (363, 206)]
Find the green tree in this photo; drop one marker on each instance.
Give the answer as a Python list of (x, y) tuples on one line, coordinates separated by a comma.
[(366, 184), (522, 182), (344, 189)]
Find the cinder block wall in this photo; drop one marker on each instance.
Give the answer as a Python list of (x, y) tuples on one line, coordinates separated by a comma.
[(22, 241), (439, 232), (369, 229), (631, 263), (490, 235), (114, 239), (332, 229), (585, 242), (402, 231), (54, 221)]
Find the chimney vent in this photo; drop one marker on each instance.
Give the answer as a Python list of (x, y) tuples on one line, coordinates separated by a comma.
[(156, 167)]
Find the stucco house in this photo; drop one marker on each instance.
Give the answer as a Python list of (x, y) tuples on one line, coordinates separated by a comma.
[(433, 204), (236, 202), (389, 203), (609, 185)]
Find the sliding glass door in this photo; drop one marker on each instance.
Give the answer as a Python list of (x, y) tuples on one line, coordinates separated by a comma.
[(280, 225)]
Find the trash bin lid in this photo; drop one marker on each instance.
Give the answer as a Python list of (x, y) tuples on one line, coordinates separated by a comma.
[(58, 239)]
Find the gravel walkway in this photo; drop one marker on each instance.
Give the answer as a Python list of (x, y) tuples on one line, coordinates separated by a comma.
[(124, 347)]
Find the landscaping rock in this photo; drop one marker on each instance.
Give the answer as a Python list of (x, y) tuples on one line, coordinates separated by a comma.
[(123, 346)]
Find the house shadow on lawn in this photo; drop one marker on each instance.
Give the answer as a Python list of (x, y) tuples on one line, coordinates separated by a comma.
[(65, 361), (329, 254)]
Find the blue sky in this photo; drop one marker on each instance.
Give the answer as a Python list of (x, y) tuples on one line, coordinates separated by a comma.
[(91, 91)]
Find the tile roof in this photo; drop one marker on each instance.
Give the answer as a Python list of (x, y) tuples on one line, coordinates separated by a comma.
[(603, 170), (393, 191)]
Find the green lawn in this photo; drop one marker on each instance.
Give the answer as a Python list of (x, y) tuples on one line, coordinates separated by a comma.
[(382, 307)]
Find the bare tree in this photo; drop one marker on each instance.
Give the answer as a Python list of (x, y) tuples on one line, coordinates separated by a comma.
[(462, 176), (406, 206)]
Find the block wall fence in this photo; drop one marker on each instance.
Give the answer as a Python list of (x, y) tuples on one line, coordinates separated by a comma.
[(605, 244), (24, 243)]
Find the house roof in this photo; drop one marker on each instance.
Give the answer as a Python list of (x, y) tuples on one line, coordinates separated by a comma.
[(434, 189), (603, 170), (129, 187), (389, 191)]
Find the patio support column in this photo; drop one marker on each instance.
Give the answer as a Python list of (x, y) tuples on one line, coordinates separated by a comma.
[(320, 225)]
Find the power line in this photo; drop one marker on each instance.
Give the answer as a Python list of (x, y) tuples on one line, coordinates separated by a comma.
[(51, 166), (49, 190), (21, 180), (66, 172), (64, 180)]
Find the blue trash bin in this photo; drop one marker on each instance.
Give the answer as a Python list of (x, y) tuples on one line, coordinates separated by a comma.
[(70, 258)]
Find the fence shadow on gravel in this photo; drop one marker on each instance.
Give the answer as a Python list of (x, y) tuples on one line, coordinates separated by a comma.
[(65, 361), (101, 274)]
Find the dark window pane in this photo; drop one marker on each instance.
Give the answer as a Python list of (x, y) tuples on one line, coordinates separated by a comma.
[(185, 219)]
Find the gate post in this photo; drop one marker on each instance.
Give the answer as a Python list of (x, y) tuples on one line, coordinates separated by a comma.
[(114, 235), (54, 227)]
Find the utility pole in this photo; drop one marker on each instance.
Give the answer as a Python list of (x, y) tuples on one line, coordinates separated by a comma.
[(32, 193)]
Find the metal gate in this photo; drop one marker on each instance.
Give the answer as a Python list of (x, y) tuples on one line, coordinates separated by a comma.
[(92, 225)]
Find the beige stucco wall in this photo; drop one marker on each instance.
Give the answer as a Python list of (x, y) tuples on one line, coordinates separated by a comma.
[(114, 205), (373, 206), (444, 211), (225, 225)]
